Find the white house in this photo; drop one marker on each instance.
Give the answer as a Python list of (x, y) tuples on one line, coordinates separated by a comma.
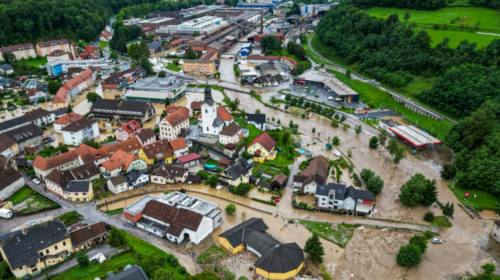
[(137, 179), (6, 69), (40, 117), (11, 182), (75, 132), (175, 124), (163, 174), (257, 120), (179, 147), (231, 134), (337, 196), (118, 184), (315, 173), (43, 166), (65, 120), (34, 94)]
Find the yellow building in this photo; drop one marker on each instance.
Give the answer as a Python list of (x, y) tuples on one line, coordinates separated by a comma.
[(204, 67), (159, 150), (34, 249), (276, 260), (79, 191), (263, 146)]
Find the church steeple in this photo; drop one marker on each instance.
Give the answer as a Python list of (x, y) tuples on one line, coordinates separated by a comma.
[(208, 94)]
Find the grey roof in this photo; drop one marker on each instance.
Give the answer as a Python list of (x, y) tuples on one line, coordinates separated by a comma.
[(260, 241), (218, 122), (60, 112), (131, 273), (22, 248), (6, 67), (154, 45), (208, 95), (278, 78), (239, 168), (14, 122), (267, 67), (77, 186), (235, 235), (112, 106), (134, 175), (24, 133), (118, 180), (146, 134), (281, 258), (258, 118), (339, 190), (358, 194)]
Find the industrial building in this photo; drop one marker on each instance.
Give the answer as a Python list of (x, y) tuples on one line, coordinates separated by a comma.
[(330, 84), (154, 89), (61, 66)]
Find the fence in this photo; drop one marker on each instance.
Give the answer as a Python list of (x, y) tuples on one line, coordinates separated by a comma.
[(232, 201)]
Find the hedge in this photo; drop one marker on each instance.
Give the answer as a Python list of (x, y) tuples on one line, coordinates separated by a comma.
[(264, 201)]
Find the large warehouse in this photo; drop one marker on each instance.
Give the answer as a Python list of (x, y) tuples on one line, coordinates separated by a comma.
[(329, 83), (414, 136), (154, 89)]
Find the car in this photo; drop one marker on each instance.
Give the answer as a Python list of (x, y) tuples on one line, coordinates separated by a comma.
[(304, 95), (32, 223), (228, 189), (436, 241), (36, 181), (202, 135), (219, 187)]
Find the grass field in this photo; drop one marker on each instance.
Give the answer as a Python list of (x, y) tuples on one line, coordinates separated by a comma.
[(372, 95), (21, 195), (482, 201), (441, 221), (115, 211), (240, 121), (70, 218), (173, 67), (103, 44), (252, 133), (454, 18), (339, 235), (33, 62)]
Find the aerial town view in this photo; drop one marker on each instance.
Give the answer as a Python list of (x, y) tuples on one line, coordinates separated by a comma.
[(249, 140)]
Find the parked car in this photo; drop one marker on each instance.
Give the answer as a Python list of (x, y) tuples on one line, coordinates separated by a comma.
[(219, 187), (32, 223), (436, 241), (36, 181), (228, 189)]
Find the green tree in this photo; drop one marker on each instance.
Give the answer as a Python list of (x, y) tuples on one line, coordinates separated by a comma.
[(241, 189), (116, 237), (113, 56), (420, 241), (164, 274), (205, 275), (393, 145), (429, 217), (358, 128), (270, 44), (246, 155), (196, 33), (342, 118), (448, 210), (313, 130), (407, 16), (418, 190), (409, 255), (382, 137), (348, 73), (190, 54), (82, 258), (53, 86), (303, 38), (336, 141), (203, 174), (162, 74), (134, 51), (212, 181), (69, 110), (399, 154), (230, 209), (487, 274), (373, 142), (335, 123), (5, 270), (152, 263), (144, 49), (314, 248), (367, 174), (167, 102), (375, 185), (92, 97), (431, 193), (449, 171), (144, 63)]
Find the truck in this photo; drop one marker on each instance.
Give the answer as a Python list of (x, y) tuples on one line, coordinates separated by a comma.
[(5, 213)]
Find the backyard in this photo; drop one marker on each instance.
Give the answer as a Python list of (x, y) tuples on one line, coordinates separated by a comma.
[(173, 67), (211, 258), (340, 235), (35, 202), (478, 199), (70, 218), (252, 133), (35, 62)]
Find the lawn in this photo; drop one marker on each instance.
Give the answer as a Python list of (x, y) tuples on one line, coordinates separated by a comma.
[(21, 195), (441, 221), (211, 162), (70, 218), (193, 121), (33, 62), (482, 201), (97, 270), (373, 96), (115, 211), (103, 44), (340, 236), (144, 248), (40, 203), (213, 257), (173, 67), (240, 121), (252, 133), (468, 16)]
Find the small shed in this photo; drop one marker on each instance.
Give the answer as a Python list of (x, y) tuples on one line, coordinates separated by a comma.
[(328, 146), (278, 182)]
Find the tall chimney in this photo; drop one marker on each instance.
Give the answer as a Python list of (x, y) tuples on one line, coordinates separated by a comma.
[(261, 21)]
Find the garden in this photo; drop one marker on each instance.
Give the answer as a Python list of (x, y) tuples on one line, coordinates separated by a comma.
[(34, 201), (70, 218), (340, 234), (211, 260)]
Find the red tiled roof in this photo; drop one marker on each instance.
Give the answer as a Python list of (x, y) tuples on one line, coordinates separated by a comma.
[(69, 117), (48, 163), (172, 108), (290, 60), (196, 105), (120, 158), (63, 93), (178, 117), (265, 141), (266, 57), (223, 113), (178, 41), (56, 53), (188, 158), (87, 233), (159, 149), (130, 126), (178, 144)]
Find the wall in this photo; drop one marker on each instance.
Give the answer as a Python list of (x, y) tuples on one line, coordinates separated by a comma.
[(11, 189), (286, 275), (224, 243), (118, 188)]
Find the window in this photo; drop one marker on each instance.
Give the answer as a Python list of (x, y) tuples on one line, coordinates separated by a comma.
[(41, 254), (55, 247), (47, 251), (206, 111), (84, 193)]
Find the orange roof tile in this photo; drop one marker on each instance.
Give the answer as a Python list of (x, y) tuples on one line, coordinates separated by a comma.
[(223, 114), (130, 126), (265, 141), (178, 116), (48, 163), (63, 93), (159, 149), (178, 144), (66, 119)]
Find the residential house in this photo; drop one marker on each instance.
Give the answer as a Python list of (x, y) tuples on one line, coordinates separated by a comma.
[(179, 147), (79, 191), (261, 81), (118, 81), (105, 35), (158, 151), (146, 137), (120, 162), (57, 55), (19, 51), (87, 236), (200, 66), (11, 181), (257, 120), (26, 136), (118, 184), (6, 69), (45, 48), (65, 120), (13, 124), (230, 134), (175, 125), (122, 111), (35, 94), (8, 147), (86, 171), (276, 260), (79, 130), (257, 59), (195, 107), (263, 145), (73, 87), (236, 173), (128, 130), (57, 180), (271, 80), (315, 174), (94, 51), (137, 179), (40, 117), (288, 62), (163, 174), (191, 159), (131, 146), (7, 162), (41, 246), (337, 196), (43, 166), (155, 47), (130, 272)]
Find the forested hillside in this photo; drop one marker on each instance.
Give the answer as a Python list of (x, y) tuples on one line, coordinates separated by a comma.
[(23, 21)]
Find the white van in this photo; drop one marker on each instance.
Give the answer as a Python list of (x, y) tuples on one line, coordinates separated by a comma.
[(330, 98), (336, 152)]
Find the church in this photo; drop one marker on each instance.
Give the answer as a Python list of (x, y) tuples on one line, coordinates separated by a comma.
[(213, 118)]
